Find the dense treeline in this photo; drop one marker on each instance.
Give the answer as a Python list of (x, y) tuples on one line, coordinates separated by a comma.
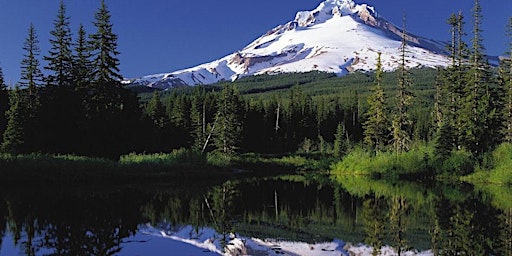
[(471, 98), (80, 107), (319, 113), (470, 114)]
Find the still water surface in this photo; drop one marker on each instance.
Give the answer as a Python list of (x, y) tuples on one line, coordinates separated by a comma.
[(451, 219)]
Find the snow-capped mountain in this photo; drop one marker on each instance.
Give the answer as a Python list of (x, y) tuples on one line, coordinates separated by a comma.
[(339, 36)]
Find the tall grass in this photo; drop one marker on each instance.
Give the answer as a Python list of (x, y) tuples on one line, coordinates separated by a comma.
[(362, 162), (286, 163), (38, 162), (177, 159)]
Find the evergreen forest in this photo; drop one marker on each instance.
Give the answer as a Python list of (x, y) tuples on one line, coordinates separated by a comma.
[(453, 120)]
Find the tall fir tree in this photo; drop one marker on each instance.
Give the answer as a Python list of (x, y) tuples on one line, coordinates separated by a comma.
[(4, 104), (478, 112), (376, 133), (14, 137), (155, 110), (60, 106), (104, 45), (506, 84), (179, 116), (29, 99), (439, 112), (107, 107), (156, 113), (449, 91), (198, 118), (340, 142), (401, 121), (31, 75), (228, 120), (457, 84), (82, 65), (60, 61)]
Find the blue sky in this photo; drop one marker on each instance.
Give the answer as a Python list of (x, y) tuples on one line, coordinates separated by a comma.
[(166, 35)]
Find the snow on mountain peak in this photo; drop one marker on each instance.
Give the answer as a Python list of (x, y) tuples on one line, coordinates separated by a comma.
[(339, 36), (329, 8), (344, 6)]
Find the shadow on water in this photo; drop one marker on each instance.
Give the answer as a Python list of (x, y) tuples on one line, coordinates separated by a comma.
[(447, 218)]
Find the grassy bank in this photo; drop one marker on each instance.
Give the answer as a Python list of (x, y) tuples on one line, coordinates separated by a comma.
[(179, 163), (419, 163), (48, 168)]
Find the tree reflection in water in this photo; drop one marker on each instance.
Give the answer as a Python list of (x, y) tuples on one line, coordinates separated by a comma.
[(449, 220), (66, 224)]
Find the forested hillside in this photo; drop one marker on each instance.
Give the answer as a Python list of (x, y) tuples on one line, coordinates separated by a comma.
[(306, 109)]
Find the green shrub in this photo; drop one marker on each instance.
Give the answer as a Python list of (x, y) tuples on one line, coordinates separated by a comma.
[(501, 172), (355, 162), (459, 162), (502, 159), (219, 159), (502, 155)]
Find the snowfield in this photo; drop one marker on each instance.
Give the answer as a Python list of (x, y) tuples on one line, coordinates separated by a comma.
[(339, 36)]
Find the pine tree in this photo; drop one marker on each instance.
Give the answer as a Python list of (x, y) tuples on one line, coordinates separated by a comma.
[(104, 44), (29, 100), (155, 110), (179, 113), (198, 118), (449, 91), (179, 116), (4, 104), (376, 126), (401, 121), (477, 113), (60, 55), (340, 142), (82, 66), (453, 21), (440, 98), (108, 108), (228, 120), (456, 83), (14, 138), (156, 114), (300, 121), (31, 75), (506, 84)]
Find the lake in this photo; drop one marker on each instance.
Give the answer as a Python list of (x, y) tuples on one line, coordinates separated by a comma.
[(282, 215)]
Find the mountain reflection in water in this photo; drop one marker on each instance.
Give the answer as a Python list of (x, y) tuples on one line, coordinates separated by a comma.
[(60, 220)]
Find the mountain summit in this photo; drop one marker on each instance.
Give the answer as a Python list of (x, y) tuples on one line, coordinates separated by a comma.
[(339, 36)]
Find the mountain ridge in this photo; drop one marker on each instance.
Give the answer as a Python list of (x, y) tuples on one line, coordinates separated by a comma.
[(339, 36)]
